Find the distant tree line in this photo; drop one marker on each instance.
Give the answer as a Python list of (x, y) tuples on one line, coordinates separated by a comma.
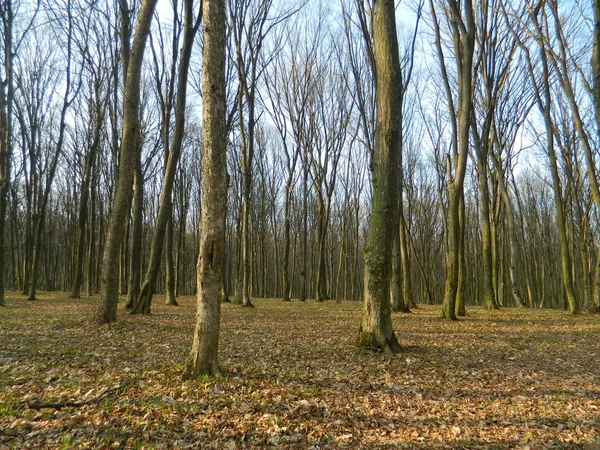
[(494, 197)]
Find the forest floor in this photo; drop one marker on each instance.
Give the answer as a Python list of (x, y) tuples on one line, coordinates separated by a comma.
[(293, 379)]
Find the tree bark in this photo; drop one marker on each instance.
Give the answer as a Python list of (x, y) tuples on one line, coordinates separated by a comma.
[(203, 358)]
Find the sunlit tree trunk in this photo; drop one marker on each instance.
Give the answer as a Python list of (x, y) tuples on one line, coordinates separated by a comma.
[(203, 358)]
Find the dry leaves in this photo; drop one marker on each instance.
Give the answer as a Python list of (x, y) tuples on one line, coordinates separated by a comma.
[(498, 379)]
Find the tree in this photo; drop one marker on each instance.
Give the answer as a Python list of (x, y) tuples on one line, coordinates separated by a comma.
[(6, 103), (463, 31), (191, 26), (96, 78), (289, 84), (540, 71), (376, 328), (203, 359), (107, 307), (251, 24)]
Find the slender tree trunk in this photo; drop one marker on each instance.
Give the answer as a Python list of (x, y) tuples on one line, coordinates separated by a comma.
[(321, 287), (398, 300), (407, 292), (6, 102), (286, 243), (341, 294), (464, 42), (169, 265), (83, 212), (107, 307), (135, 255), (91, 234), (303, 274), (203, 358), (489, 296)]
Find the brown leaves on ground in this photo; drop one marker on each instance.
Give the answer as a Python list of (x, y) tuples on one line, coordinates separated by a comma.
[(498, 379)]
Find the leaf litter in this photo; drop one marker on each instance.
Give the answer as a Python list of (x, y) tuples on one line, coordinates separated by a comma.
[(508, 379)]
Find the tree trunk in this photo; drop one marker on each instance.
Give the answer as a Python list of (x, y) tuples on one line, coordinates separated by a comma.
[(544, 98), (169, 265), (464, 43), (91, 234), (286, 243), (6, 102), (397, 300), (489, 293), (321, 287), (376, 328), (83, 208), (107, 307), (135, 255), (407, 293), (203, 358), (303, 274)]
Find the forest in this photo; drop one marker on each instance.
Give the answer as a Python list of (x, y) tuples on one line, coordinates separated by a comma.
[(308, 180)]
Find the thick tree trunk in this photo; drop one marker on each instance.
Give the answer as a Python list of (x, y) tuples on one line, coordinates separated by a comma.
[(376, 328), (107, 307), (203, 358)]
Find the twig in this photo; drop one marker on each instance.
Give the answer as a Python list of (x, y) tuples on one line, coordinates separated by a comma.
[(80, 403)]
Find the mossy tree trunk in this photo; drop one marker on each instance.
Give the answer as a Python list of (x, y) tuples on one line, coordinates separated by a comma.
[(376, 330)]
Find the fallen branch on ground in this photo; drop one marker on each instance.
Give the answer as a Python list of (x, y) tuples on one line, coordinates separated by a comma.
[(77, 404)]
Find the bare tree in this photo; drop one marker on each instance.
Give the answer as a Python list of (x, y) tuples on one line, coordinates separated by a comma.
[(460, 18), (107, 307), (376, 328), (191, 25), (6, 137), (204, 354)]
